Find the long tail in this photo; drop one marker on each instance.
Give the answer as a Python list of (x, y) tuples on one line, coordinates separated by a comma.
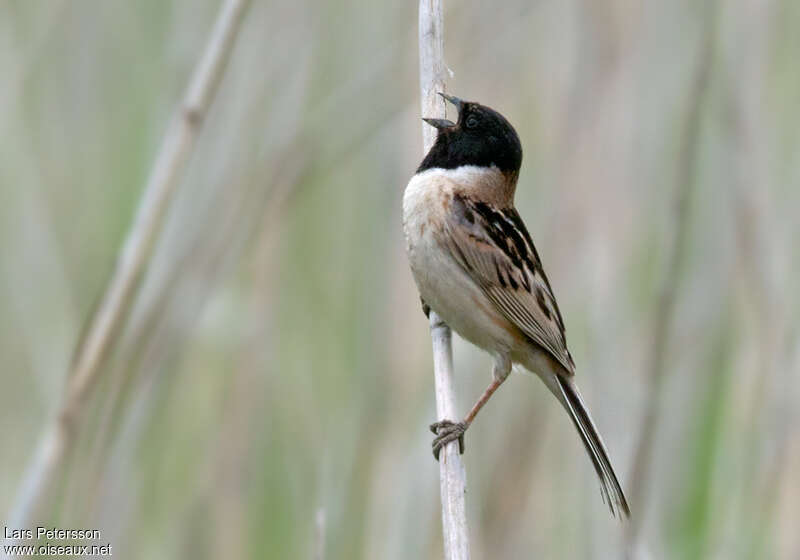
[(610, 488)]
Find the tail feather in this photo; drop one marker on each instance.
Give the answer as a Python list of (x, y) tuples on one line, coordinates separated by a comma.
[(610, 488)]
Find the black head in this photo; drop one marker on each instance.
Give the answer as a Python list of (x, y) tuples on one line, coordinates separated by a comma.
[(481, 137)]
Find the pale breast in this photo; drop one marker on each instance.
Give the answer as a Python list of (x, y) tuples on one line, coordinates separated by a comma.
[(441, 281)]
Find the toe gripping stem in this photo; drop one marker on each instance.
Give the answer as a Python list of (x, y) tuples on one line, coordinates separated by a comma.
[(447, 431)]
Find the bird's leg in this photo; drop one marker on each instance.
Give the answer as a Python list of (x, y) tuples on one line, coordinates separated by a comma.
[(447, 430), (426, 309)]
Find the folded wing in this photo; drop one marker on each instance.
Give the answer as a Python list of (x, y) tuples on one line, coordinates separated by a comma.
[(495, 248)]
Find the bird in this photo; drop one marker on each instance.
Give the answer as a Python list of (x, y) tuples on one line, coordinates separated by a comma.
[(475, 265)]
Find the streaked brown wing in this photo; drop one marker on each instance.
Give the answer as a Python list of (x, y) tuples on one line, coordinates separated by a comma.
[(495, 249)]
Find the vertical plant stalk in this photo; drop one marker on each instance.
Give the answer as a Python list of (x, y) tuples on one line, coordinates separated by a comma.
[(105, 323), (676, 252), (319, 534), (452, 476)]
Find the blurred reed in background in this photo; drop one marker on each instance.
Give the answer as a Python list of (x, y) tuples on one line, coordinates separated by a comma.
[(273, 376)]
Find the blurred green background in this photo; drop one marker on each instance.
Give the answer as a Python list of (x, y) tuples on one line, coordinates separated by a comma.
[(269, 393)]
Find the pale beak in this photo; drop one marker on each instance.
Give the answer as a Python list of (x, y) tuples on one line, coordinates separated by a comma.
[(454, 100), (440, 124)]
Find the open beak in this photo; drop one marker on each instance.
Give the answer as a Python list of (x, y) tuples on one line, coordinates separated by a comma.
[(442, 124)]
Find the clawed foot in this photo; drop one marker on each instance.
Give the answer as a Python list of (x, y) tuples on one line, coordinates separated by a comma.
[(447, 431)]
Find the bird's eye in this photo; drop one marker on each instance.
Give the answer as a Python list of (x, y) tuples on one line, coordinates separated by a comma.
[(472, 121)]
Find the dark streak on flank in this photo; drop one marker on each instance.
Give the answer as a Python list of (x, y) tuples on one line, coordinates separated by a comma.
[(526, 282), (513, 282), (540, 299), (469, 217), (499, 273)]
